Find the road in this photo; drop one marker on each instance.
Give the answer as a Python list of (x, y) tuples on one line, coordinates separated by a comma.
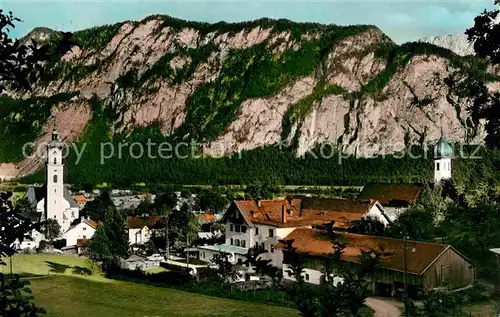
[(383, 307)]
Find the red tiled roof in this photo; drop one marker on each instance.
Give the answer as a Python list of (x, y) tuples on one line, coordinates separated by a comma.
[(391, 194), (81, 199), (207, 218), (141, 222), (419, 254), (304, 212), (90, 222)]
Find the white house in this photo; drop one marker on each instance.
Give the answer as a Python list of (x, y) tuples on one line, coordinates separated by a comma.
[(85, 229), (395, 198), (264, 223), (53, 199), (139, 231), (30, 244)]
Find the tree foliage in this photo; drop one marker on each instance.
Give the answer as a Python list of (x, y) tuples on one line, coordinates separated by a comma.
[(485, 34), (110, 242), (343, 287), (222, 268), (51, 230), (97, 208)]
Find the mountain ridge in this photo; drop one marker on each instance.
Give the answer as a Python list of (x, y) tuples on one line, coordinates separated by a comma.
[(240, 86)]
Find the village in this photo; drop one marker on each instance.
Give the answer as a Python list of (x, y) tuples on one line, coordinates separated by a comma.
[(274, 231)]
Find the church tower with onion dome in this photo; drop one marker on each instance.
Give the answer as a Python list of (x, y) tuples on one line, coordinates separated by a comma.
[(443, 153)]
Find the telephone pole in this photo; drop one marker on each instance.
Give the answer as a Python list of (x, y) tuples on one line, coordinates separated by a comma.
[(405, 275), (167, 242)]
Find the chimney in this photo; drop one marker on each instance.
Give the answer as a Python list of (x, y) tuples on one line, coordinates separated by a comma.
[(283, 214)]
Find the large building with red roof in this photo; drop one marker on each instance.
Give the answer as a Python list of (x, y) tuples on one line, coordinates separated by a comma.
[(263, 223), (428, 265)]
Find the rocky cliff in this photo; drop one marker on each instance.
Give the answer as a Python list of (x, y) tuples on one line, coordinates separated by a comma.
[(457, 43), (238, 87)]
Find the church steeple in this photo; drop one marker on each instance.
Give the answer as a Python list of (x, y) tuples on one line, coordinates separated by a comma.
[(55, 204), (443, 153)]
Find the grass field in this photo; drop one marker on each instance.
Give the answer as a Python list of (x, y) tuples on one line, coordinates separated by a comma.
[(64, 288), (71, 296), (47, 264)]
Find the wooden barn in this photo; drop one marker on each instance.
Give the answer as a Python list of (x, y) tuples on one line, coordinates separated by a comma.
[(429, 265)]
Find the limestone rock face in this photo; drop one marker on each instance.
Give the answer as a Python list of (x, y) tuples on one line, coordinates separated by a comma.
[(148, 72), (457, 43)]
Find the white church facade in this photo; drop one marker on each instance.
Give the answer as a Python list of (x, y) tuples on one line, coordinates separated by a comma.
[(53, 200)]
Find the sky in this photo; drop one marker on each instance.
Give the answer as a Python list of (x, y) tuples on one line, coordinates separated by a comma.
[(402, 20)]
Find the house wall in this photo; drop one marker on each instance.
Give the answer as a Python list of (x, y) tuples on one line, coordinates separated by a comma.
[(256, 234), (394, 212), (310, 275), (208, 255), (451, 270), (314, 266), (139, 236), (36, 238), (40, 207), (80, 231), (376, 213)]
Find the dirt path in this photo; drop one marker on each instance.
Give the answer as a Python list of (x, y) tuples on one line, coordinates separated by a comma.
[(382, 307)]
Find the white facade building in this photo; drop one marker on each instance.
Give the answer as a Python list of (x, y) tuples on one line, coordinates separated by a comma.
[(30, 244), (139, 231), (84, 230), (263, 224), (53, 199)]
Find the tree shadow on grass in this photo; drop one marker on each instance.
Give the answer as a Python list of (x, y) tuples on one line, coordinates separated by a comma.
[(57, 267), (81, 270)]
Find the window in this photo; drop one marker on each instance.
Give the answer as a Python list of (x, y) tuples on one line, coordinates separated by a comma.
[(55, 190), (231, 241), (237, 242), (55, 178), (271, 233), (437, 166), (263, 246), (240, 261), (231, 227), (289, 274), (84, 236), (243, 243), (272, 248), (237, 229), (307, 277), (55, 202), (55, 160), (244, 229), (84, 228), (73, 215), (256, 231), (54, 216)]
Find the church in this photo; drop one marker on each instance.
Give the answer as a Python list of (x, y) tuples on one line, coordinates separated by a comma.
[(53, 200)]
